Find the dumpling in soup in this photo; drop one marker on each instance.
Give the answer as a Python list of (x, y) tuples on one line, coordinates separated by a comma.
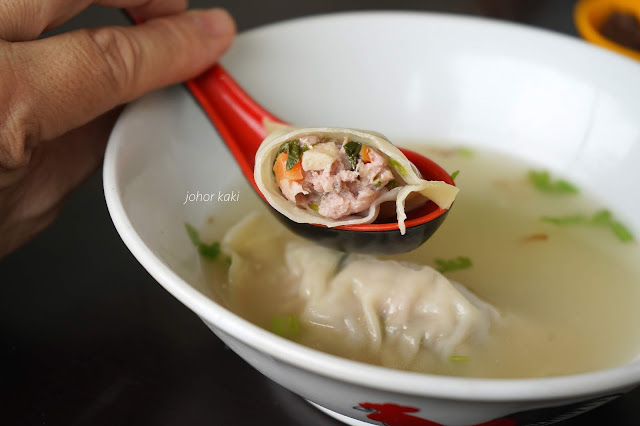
[(360, 305), (369, 303)]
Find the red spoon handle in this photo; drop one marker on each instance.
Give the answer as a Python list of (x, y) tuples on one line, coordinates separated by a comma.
[(236, 116)]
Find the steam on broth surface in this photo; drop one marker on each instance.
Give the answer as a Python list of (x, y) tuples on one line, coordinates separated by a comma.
[(561, 271)]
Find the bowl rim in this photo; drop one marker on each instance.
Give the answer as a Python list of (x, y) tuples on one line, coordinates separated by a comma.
[(341, 369)]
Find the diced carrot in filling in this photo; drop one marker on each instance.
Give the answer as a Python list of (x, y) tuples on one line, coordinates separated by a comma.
[(280, 169), (335, 178), (364, 154)]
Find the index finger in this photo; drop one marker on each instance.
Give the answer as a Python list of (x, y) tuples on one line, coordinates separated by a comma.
[(67, 80), (26, 20), (147, 9)]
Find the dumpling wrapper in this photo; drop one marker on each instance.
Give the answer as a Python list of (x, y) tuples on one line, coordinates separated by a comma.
[(439, 192), (354, 303)]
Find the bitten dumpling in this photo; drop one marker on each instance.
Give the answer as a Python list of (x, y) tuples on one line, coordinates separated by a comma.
[(334, 176)]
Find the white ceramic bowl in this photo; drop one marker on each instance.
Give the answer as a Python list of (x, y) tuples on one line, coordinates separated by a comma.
[(553, 100)]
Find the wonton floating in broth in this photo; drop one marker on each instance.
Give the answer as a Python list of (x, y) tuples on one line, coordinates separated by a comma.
[(560, 269), (368, 305)]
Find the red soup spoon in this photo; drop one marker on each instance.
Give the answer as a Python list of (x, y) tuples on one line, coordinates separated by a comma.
[(239, 121)]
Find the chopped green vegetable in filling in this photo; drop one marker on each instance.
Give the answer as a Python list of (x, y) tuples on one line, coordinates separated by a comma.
[(392, 184), (458, 358), (541, 180), (314, 206), (461, 262), (353, 153), (602, 218), (393, 163), (285, 326), (210, 251), (455, 174), (294, 152)]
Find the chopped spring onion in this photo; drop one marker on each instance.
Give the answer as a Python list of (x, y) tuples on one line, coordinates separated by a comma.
[(193, 233), (577, 219), (294, 152), (285, 326), (602, 218), (621, 232), (465, 152), (353, 153), (210, 251), (458, 358), (461, 262), (541, 180), (393, 163), (392, 184)]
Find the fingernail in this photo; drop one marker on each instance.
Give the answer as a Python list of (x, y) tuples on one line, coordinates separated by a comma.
[(216, 22)]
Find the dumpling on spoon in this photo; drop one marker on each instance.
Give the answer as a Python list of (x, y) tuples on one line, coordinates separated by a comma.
[(335, 176)]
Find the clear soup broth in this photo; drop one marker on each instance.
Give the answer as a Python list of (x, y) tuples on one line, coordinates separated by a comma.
[(562, 272)]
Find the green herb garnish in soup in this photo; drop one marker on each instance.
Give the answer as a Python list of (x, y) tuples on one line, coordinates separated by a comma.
[(465, 152), (193, 234), (542, 181), (602, 218), (210, 251), (496, 292), (449, 265), (285, 326), (621, 232), (574, 219)]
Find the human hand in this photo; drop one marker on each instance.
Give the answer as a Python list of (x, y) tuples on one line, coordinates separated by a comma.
[(60, 96)]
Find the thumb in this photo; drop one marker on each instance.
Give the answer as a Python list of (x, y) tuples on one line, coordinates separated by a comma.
[(67, 80)]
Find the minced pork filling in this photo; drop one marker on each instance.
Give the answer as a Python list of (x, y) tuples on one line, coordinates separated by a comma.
[(334, 178)]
